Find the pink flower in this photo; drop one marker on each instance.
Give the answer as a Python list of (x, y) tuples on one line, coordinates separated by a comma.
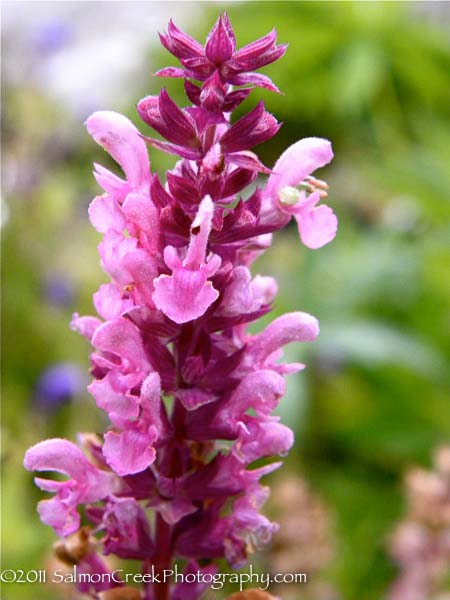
[(122, 140), (132, 449), (187, 294), (86, 483), (317, 225)]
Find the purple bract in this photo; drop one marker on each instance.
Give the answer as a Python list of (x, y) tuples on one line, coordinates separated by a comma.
[(189, 392)]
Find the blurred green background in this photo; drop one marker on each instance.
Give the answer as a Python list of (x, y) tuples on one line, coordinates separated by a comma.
[(371, 77)]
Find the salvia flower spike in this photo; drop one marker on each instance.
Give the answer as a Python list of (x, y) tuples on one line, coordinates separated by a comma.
[(188, 391)]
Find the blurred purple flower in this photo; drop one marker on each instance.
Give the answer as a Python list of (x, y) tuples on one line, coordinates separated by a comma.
[(52, 35), (59, 290), (58, 384)]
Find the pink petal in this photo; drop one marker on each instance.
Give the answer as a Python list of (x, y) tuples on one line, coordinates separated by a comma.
[(141, 267), (261, 389), (113, 185), (153, 410), (263, 438), (238, 297), (298, 161), (246, 160), (151, 393), (48, 485), (58, 455), (105, 214), (164, 116), (264, 289), (316, 227), (121, 337), (184, 296), (64, 457), (64, 519), (128, 452), (196, 254), (140, 210), (121, 139), (254, 49), (112, 249), (292, 327), (256, 62), (109, 303), (118, 405), (85, 326), (189, 153), (171, 258), (171, 72)]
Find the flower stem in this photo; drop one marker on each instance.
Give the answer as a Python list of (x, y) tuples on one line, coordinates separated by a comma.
[(163, 560)]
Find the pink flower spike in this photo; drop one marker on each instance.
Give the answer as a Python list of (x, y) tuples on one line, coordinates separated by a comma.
[(122, 140), (189, 390), (187, 294)]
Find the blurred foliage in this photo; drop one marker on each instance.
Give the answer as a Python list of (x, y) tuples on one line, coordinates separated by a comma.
[(373, 78)]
